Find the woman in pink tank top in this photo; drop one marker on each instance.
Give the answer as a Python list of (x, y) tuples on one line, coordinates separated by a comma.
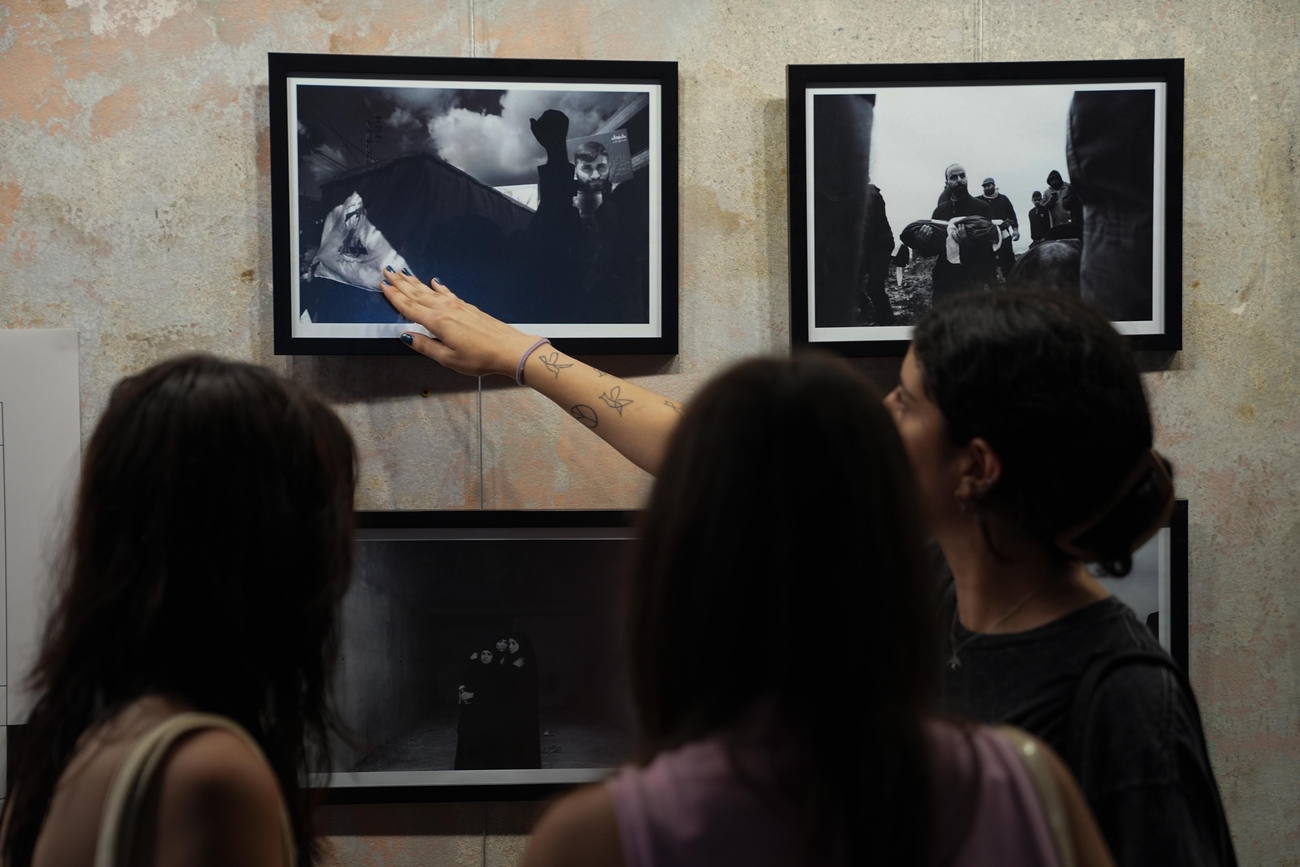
[(781, 544)]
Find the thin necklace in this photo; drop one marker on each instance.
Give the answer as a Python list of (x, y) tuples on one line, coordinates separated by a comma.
[(953, 662)]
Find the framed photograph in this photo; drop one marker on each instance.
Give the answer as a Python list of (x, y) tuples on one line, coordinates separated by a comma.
[(482, 655), (542, 191), (910, 183), (1156, 589)]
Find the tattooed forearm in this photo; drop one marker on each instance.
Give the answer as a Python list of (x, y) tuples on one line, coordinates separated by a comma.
[(601, 374), (674, 407), (614, 402), (585, 414), (553, 363)]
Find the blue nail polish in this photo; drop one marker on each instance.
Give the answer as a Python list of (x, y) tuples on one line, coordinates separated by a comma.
[(389, 268), (437, 280), (386, 283), (407, 273), (408, 339)]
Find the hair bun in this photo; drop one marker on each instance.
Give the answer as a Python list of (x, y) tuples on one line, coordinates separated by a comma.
[(1137, 511)]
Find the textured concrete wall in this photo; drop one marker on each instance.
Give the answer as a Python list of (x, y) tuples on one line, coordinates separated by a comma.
[(134, 206)]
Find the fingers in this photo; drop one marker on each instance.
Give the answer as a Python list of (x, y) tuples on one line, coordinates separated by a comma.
[(404, 280), (439, 352), (441, 288), (414, 288), (398, 298), (424, 345)]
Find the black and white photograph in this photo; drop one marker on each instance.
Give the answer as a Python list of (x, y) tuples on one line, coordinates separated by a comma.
[(484, 655), (1156, 589), (541, 202), (919, 183)]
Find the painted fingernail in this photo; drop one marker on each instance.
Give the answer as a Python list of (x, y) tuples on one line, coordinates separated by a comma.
[(408, 340), (407, 273), (386, 283), (438, 280), (389, 268)]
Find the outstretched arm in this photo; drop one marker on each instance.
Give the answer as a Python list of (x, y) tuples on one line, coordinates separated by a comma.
[(634, 420)]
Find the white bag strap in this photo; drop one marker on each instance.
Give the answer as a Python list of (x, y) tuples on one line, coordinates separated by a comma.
[(1049, 793), (127, 794)]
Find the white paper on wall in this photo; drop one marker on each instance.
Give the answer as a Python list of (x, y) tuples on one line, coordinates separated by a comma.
[(40, 450)]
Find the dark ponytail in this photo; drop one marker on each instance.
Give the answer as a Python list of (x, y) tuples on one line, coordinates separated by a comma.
[(1048, 382)]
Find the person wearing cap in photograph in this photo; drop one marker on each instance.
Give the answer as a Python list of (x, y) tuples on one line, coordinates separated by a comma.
[(1039, 219), (1002, 209), (1063, 206)]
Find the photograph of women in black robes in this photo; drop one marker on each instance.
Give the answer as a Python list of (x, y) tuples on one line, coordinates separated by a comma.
[(480, 699), (456, 660), (524, 733)]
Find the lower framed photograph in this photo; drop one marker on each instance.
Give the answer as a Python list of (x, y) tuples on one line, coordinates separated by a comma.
[(482, 656), (1156, 589)]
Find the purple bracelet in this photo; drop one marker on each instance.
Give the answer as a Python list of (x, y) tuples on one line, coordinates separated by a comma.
[(519, 373)]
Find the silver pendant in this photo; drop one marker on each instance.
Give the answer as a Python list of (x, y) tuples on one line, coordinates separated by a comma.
[(954, 663)]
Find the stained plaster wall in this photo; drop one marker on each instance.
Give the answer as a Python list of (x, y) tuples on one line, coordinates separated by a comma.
[(134, 207)]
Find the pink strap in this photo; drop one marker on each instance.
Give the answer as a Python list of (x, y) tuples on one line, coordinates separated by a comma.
[(519, 373)]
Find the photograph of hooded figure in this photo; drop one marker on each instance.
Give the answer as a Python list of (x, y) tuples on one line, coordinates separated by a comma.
[(481, 698), (523, 728), (455, 658), (498, 698), (473, 185)]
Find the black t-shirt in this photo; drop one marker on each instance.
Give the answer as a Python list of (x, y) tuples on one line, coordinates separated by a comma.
[(1142, 770)]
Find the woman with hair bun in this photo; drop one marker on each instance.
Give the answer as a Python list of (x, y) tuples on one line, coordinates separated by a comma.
[(1024, 416)]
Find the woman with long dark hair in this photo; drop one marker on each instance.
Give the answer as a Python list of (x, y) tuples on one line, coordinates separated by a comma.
[(210, 545), (759, 758)]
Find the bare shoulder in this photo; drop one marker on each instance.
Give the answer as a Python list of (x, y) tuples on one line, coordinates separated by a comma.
[(580, 831), (220, 805)]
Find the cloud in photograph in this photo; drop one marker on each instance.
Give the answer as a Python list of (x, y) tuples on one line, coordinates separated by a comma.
[(420, 102), (324, 162), (499, 149)]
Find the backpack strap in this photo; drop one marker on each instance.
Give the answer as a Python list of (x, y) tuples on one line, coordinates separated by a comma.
[(1076, 738), (1078, 724), (127, 794)]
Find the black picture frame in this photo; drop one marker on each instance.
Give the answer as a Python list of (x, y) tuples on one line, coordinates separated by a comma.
[(1170, 548), (483, 528), (1158, 585), (390, 181), (906, 137)]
